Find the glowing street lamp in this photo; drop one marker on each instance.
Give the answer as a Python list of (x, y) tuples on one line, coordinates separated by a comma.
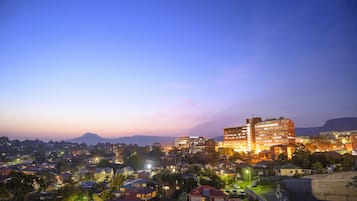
[(149, 166), (249, 175)]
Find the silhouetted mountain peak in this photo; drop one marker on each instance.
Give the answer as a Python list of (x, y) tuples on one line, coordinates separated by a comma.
[(88, 138), (338, 124), (90, 135), (92, 138)]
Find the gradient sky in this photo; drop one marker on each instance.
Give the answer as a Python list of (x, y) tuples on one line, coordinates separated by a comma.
[(120, 68)]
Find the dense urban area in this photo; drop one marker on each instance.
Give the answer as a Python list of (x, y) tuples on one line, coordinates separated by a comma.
[(261, 160)]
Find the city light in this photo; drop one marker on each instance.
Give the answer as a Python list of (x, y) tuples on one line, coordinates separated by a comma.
[(149, 166)]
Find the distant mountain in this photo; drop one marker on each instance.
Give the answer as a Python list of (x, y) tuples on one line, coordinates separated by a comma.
[(89, 138), (310, 131), (142, 140), (339, 124), (218, 138)]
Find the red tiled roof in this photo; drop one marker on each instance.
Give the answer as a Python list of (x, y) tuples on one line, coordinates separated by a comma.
[(207, 191)]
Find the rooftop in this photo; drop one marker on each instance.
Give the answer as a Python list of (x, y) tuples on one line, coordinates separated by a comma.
[(207, 191)]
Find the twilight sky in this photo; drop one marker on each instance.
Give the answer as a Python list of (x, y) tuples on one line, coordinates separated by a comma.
[(120, 68)]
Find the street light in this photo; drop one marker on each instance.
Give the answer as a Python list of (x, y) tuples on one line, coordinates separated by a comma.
[(249, 175)]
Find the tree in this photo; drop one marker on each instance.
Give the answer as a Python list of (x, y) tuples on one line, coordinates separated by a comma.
[(104, 163), (97, 198), (155, 154), (20, 184), (347, 163), (63, 165), (318, 157), (135, 161), (78, 162), (69, 192), (301, 157), (189, 184), (117, 181), (46, 179), (282, 157), (210, 178), (40, 157), (317, 166), (194, 169), (4, 193)]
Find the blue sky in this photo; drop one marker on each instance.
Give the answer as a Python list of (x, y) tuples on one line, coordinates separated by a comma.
[(168, 67)]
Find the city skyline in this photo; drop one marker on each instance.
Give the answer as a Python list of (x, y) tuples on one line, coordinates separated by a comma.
[(172, 68)]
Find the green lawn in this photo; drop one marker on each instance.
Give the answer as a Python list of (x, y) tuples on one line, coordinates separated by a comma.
[(267, 191), (262, 189)]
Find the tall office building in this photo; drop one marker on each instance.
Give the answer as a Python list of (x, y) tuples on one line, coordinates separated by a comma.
[(258, 135), (251, 141), (236, 138), (274, 132)]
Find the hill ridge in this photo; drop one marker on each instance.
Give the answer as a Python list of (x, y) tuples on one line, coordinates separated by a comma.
[(142, 140)]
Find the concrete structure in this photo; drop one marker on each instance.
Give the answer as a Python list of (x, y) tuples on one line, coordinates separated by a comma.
[(287, 150), (185, 142), (302, 139), (258, 135), (251, 133), (274, 132), (333, 186), (118, 154), (353, 140), (194, 144), (318, 187), (236, 138)]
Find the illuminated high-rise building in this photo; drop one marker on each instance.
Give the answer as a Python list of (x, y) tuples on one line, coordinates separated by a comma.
[(274, 132), (258, 135), (353, 139), (236, 138), (251, 141), (241, 138)]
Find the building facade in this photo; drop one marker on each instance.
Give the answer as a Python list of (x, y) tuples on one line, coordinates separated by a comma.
[(286, 150), (236, 137), (258, 135), (274, 132)]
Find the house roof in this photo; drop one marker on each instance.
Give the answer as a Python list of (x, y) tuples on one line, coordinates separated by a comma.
[(144, 190), (129, 183), (207, 191), (125, 199), (87, 184), (127, 168), (106, 170), (290, 166)]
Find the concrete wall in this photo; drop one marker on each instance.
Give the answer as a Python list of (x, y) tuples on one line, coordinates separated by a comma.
[(333, 186)]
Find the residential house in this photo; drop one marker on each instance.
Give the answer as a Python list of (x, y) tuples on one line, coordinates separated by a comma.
[(207, 193), (291, 170), (137, 189), (103, 174), (125, 171)]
